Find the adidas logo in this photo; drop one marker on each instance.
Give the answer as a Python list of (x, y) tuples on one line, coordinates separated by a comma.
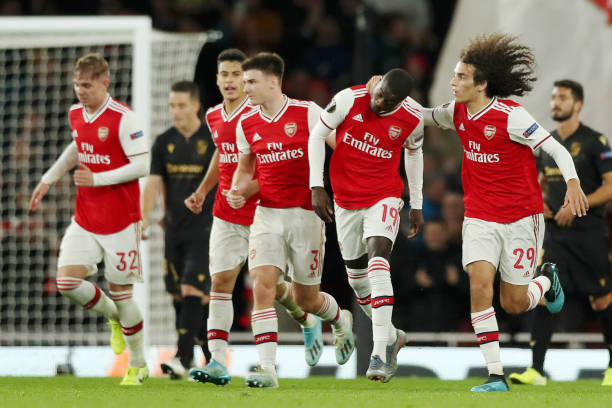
[(461, 127), (389, 228), (256, 137), (216, 135), (358, 118)]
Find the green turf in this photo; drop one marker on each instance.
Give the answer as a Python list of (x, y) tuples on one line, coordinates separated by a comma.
[(313, 392)]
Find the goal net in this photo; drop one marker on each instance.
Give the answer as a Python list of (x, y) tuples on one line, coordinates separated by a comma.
[(37, 56)]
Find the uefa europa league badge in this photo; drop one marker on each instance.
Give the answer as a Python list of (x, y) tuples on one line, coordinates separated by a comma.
[(102, 133)]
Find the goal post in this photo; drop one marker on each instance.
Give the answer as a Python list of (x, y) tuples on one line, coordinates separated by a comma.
[(37, 55)]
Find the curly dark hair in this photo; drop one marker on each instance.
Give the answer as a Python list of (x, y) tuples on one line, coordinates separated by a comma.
[(506, 65)]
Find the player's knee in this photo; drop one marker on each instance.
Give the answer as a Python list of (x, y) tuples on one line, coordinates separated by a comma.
[(263, 291), (221, 283), (600, 303), (480, 289)]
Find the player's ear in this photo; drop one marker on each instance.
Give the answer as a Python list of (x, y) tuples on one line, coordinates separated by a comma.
[(106, 82), (579, 105), (482, 87)]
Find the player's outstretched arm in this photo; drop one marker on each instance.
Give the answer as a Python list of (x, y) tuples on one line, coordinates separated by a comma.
[(575, 198), (67, 160)]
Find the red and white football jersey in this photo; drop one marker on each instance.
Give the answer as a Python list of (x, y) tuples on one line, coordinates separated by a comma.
[(499, 173), (364, 167), (105, 141), (280, 145), (223, 130)]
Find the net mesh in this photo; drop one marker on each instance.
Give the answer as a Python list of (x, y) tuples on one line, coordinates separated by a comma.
[(36, 93)]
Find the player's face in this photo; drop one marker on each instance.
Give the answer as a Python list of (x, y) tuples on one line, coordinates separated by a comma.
[(90, 91), (229, 80), (183, 109), (562, 104), (257, 86), (382, 100), (464, 89)]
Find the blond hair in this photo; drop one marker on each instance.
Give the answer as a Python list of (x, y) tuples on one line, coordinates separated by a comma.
[(94, 64)]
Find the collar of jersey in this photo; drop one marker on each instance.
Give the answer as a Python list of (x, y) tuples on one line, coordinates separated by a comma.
[(482, 111), (236, 112), (96, 115), (278, 114)]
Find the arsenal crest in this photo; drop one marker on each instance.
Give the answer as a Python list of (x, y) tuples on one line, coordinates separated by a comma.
[(394, 132), (102, 133), (290, 129), (489, 132)]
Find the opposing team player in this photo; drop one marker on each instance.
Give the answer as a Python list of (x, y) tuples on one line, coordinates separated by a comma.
[(179, 159), (230, 231), (371, 132), (286, 232), (110, 147), (504, 224)]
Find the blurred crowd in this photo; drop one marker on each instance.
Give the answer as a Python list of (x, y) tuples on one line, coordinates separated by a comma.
[(327, 45)]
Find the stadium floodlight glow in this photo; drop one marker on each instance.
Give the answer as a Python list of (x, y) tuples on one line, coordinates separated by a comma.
[(37, 56)]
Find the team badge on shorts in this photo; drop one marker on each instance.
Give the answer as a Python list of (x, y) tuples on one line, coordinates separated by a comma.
[(102, 133), (489, 131), (290, 129), (252, 254), (394, 132)]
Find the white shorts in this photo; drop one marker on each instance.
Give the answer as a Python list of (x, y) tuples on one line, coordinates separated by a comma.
[(120, 251), (229, 245), (354, 227), (291, 239), (512, 248)]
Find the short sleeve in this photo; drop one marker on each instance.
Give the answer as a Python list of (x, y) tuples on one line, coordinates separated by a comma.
[(335, 112), (443, 115), (243, 146), (131, 135), (157, 158), (523, 129)]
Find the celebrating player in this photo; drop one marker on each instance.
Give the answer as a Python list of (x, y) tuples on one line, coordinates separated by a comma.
[(504, 225), (579, 246), (110, 147), (371, 132), (230, 231), (286, 232), (179, 158)]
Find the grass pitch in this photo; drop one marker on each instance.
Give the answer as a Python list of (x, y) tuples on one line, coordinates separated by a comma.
[(318, 392)]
